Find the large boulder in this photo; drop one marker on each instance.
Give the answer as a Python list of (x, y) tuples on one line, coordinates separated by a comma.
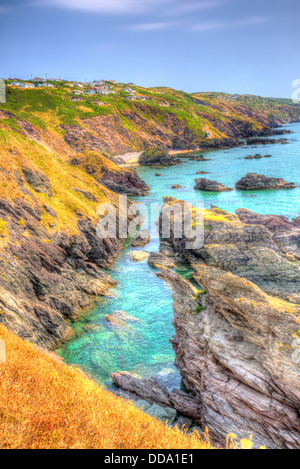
[(138, 256), (156, 156), (203, 184), (255, 182)]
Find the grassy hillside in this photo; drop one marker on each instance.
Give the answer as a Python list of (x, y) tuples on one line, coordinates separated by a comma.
[(47, 404), (164, 116)]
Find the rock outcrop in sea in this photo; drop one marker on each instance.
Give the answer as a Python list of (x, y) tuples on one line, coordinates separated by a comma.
[(203, 184), (256, 182), (157, 156)]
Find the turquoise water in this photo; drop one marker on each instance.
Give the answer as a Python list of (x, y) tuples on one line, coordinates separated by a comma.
[(144, 347)]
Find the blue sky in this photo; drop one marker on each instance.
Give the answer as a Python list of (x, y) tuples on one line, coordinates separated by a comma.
[(238, 46)]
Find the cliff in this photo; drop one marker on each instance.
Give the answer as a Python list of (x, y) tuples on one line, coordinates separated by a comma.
[(169, 118), (237, 351), (51, 256), (237, 338)]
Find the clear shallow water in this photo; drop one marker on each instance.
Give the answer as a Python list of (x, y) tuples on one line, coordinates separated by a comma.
[(144, 347)]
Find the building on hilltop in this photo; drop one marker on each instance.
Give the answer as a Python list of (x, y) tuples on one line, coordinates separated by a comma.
[(26, 85), (38, 79)]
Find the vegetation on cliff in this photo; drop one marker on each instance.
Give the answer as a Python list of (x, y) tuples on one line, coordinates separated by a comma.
[(47, 404), (168, 118)]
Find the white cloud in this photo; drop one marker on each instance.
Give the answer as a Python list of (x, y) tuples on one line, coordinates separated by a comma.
[(209, 26), (152, 26), (105, 6), (131, 6)]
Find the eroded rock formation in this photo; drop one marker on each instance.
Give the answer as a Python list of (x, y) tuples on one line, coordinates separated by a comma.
[(204, 184), (237, 352), (256, 182)]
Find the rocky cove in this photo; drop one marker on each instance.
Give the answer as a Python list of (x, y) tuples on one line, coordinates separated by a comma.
[(221, 354)]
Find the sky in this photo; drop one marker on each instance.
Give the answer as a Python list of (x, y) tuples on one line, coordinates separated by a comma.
[(234, 46)]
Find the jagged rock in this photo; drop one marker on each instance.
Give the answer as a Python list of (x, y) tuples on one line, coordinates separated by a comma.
[(37, 180), (123, 182), (149, 389), (166, 248), (49, 282), (183, 423), (157, 174), (176, 186), (286, 233), (108, 173), (186, 404), (254, 182), (142, 238), (204, 184), (160, 259), (138, 256), (239, 357), (249, 251), (154, 156)]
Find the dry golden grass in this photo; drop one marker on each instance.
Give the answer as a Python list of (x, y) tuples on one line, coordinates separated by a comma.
[(46, 404), (17, 151)]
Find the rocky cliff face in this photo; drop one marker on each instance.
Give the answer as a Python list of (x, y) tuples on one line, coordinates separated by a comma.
[(237, 339), (109, 174), (248, 250), (50, 254), (237, 352), (43, 283)]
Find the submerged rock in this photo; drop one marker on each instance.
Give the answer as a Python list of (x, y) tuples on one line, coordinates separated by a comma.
[(204, 184), (176, 186), (138, 256), (254, 181), (120, 318)]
